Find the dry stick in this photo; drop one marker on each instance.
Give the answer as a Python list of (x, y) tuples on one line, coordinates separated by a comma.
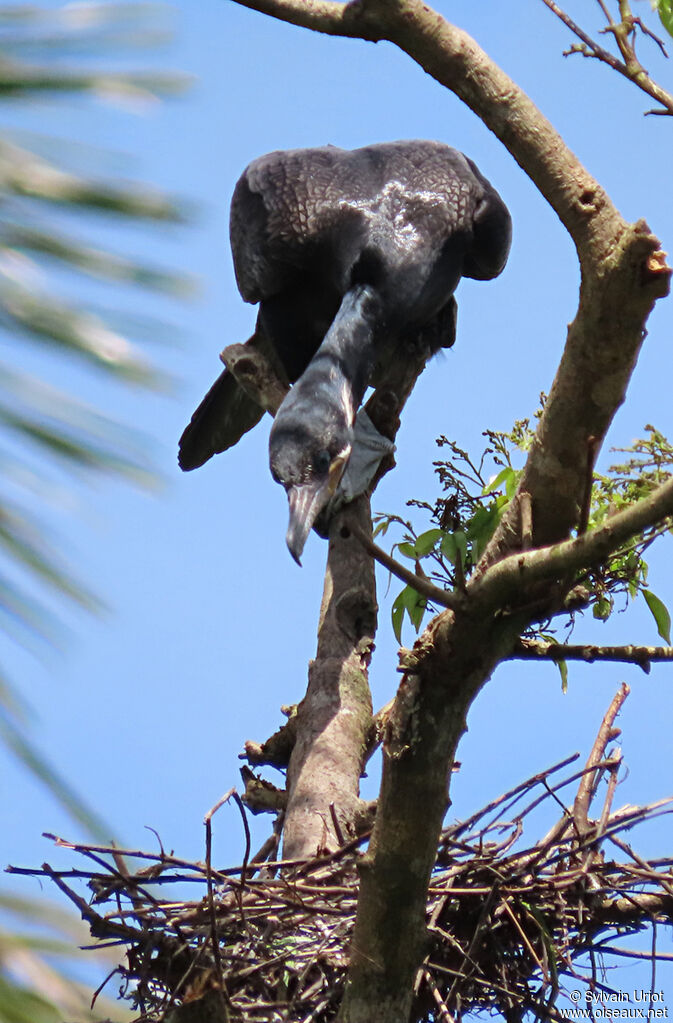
[(524, 938), (641, 863), (335, 823), (598, 51), (632, 954), (587, 787), (606, 12), (523, 787), (607, 806), (103, 983), (551, 790), (207, 820), (164, 858), (439, 1001)]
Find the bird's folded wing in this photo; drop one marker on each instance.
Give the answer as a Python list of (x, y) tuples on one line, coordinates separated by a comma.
[(224, 415)]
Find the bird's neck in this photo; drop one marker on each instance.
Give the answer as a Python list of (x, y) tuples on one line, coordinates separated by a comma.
[(347, 353)]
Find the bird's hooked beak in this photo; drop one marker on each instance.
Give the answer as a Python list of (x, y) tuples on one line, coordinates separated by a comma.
[(307, 500)]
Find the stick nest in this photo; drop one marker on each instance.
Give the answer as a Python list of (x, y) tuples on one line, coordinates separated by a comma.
[(508, 922)]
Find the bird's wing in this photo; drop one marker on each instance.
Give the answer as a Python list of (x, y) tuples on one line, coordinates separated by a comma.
[(324, 215), (288, 221), (224, 415)]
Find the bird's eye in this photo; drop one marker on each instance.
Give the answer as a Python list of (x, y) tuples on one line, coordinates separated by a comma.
[(322, 461)]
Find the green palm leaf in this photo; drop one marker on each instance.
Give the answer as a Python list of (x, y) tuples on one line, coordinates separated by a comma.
[(44, 432)]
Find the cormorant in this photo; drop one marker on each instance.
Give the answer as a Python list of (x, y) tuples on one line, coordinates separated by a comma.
[(348, 253)]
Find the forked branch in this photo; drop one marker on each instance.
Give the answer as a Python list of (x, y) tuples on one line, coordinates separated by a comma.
[(623, 32)]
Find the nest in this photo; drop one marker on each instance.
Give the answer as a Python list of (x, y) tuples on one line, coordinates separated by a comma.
[(509, 923)]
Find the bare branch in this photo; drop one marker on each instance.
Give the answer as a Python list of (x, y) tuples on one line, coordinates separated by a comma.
[(589, 782), (261, 380), (623, 31), (643, 656), (340, 19), (444, 598), (590, 47)]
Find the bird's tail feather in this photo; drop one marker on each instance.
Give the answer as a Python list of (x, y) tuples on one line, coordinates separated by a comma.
[(224, 415)]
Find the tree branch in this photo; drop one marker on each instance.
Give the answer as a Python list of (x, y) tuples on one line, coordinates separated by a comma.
[(507, 580), (258, 377), (643, 656), (630, 67), (445, 598), (589, 783), (335, 19)]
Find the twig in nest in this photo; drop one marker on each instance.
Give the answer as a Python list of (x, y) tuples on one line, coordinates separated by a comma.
[(507, 918)]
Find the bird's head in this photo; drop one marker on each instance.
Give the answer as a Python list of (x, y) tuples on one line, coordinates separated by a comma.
[(310, 467)]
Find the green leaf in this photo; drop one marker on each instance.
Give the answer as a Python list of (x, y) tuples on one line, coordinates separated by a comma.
[(397, 616), (563, 670), (381, 528), (416, 609), (508, 476), (461, 544), (407, 550), (665, 9), (414, 604), (660, 613), (449, 548), (427, 541), (602, 609)]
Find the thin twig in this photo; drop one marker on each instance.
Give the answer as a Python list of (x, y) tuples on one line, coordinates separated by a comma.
[(207, 820), (445, 598), (624, 35)]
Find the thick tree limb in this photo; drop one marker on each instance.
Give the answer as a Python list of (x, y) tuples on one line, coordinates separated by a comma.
[(333, 719)]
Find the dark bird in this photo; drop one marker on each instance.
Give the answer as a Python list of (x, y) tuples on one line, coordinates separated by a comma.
[(348, 253)]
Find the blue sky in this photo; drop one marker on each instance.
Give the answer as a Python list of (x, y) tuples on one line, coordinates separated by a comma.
[(210, 623)]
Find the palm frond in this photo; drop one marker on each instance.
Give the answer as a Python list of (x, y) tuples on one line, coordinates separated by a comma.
[(45, 433)]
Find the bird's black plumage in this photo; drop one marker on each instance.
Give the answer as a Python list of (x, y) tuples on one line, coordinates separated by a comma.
[(347, 253)]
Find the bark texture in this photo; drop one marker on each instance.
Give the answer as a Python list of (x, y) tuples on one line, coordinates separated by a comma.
[(334, 718)]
